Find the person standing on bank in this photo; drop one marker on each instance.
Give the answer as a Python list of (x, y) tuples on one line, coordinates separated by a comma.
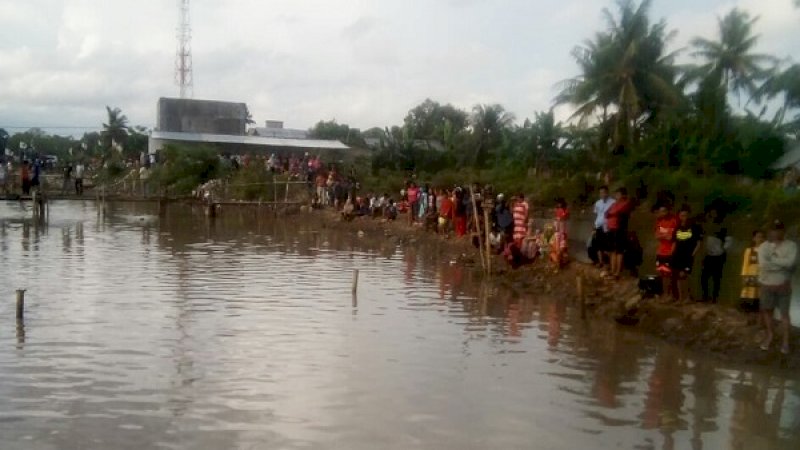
[(666, 224), (600, 235), (717, 244), (617, 218), (777, 259), (688, 237), (748, 300)]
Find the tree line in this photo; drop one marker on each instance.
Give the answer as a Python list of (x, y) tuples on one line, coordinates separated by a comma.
[(730, 111), (117, 140)]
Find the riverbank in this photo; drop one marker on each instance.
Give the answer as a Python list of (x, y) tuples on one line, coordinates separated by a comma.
[(721, 331)]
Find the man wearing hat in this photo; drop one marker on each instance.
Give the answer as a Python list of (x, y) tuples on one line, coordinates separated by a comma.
[(777, 258)]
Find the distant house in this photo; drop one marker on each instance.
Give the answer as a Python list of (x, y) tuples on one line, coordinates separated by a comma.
[(183, 115)]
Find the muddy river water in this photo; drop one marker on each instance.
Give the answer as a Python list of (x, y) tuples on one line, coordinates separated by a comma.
[(143, 332)]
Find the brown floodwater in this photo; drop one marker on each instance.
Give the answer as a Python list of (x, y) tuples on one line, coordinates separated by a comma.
[(143, 332)]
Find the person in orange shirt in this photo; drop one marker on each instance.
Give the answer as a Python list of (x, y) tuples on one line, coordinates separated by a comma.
[(446, 213)]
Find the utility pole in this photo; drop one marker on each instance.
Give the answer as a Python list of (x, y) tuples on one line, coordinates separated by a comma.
[(183, 56)]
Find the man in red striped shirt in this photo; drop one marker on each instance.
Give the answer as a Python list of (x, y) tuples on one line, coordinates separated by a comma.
[(520, 212)]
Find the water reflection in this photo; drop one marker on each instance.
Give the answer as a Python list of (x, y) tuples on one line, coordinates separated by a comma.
[(184, 332)]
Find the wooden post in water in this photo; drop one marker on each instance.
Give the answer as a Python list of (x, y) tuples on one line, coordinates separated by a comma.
[(581, 294), (20, 304), (35, 200), (488, 240), (355, 281)]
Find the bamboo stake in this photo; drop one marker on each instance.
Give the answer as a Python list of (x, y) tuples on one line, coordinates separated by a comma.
[(20, 304), (581, 296), (355, 281), (477, 226), (488, 241)]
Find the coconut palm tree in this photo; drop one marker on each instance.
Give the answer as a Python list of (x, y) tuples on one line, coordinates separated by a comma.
[(116, 129), (626, 74), (488, 123), (783, 83), (731, 62)]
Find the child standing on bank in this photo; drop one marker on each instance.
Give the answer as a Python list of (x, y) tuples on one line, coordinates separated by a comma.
[(748, 300)]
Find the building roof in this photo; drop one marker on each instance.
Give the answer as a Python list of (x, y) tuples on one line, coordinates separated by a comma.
[(248, 140), (281, 133)]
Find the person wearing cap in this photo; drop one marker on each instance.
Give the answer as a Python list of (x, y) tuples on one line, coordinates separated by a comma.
[(777, 259)]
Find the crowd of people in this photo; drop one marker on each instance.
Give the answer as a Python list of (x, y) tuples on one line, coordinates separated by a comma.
[(682, 238), (471, 211), (23, 177)]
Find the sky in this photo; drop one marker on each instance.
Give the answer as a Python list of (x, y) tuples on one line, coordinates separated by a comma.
[(361, 62)]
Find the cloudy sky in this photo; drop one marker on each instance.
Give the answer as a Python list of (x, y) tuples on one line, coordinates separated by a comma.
[(362, 62)]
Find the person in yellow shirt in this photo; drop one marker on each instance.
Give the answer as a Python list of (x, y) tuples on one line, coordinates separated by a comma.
[(748, 300)]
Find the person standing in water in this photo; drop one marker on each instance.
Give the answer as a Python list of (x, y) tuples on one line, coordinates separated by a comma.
[(777, 259)]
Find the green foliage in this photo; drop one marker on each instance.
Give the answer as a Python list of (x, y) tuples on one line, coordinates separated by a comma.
[(626, 73), (115, 133), (433, 121), (185, 167), (730, 62), (331, 129), (252, 183)]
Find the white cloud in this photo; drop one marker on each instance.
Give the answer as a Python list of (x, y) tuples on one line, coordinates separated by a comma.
[(363, 62)]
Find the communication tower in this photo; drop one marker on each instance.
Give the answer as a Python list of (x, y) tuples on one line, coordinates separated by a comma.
[(183, 56)]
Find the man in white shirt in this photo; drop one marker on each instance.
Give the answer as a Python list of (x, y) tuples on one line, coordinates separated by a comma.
[(79, 178), (777, 259), (600, 230)]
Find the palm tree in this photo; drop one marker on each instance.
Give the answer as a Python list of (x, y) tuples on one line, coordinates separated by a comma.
[(785, 83), (730, 62), (625, 72), (488, 123), (116, 130)]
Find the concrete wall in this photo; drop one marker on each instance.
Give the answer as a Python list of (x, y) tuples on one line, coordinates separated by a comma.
[(201, 116)]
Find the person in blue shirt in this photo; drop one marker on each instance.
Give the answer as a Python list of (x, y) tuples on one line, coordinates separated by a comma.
[(600, 235)]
